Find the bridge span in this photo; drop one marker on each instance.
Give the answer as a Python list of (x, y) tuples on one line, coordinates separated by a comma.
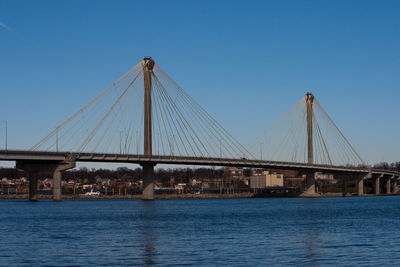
[(146, 118), (55, 162)]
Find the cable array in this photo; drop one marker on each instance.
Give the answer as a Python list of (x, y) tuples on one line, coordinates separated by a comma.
[(113, 122), (286, 139)]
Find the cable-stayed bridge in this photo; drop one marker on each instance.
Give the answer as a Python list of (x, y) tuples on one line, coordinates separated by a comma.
[(146, 118)]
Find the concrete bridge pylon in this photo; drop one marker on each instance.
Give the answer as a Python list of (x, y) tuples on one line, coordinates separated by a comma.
[(310, 176), (148, 168)]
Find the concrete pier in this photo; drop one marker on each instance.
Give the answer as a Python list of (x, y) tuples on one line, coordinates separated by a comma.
[(344, 187), (377, 185), (360, 183), (395, 185), (148, 182), (360, 186), (33, 168), (57, 186), (33, 188), (57, 190), (388, 185), (310, 184)]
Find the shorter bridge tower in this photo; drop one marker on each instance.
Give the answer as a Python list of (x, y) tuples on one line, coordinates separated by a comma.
[(310, 180)]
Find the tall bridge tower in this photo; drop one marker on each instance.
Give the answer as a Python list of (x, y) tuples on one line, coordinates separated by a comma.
[(148, 168)]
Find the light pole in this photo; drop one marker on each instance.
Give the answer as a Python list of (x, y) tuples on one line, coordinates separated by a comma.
[(6, 133)]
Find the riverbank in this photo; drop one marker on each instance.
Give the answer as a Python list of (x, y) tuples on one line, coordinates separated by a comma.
[(159, 196), (169, 196)]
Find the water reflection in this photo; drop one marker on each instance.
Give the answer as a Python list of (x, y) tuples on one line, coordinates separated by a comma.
[(148, 230), (309, 241)]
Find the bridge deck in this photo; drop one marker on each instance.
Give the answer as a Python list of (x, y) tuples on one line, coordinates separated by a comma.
[(25, 155)]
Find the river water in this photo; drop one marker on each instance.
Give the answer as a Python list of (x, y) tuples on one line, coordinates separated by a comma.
[(210, 232)]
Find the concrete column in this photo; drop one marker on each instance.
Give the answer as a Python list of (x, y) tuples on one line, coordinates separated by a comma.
[(148, 182), (309, 105), (377, 185), (147, 64), (33, 169), (360, 186), (57, 186), (388, 185), (360, 183), (395, 187), (33, 189), (48, 167), (57, 190), (148, 169), (310, 183), (344, 187)]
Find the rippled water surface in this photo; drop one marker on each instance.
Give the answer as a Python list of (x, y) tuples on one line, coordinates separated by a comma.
[(232, 232)]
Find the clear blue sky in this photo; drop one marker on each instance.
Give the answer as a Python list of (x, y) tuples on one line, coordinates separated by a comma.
[(246, 62)]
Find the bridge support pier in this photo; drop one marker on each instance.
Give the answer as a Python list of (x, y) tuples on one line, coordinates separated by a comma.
[(389, 185), (395, 186), (344, 187), (310, 184), (33, 168), (360, 183), (377, 185), (360, 186), (33, 188), (57, 192), (148, 182)]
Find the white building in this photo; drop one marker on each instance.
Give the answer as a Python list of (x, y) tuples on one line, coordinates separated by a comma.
[(266, 179)]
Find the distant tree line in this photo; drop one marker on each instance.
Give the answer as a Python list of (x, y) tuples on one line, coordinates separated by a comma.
[(124, 174), (388, 166)]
